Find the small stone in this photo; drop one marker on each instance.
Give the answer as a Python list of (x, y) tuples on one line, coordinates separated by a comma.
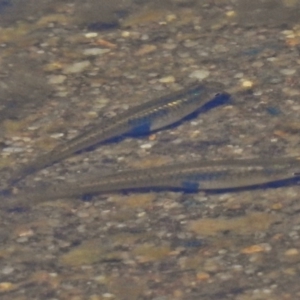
[(238, 150), (25, 232), (146, 146), (291, 92), (108, 296), (211, 266), (230, 13), (170, 46), (90, 35), (81, 228), (57, 79), (167, 79), (92, 114), (190, 44), (57, 135), (291, 252), (77, 67), (6, 286), (23, 239), (258, 64), (95, 51), (288, 72), (247, 84), (199, 74), (203, 276), (7, 270), (184, 54), (83, 214), (253, 249), (288, 33), (125, 34), (171, 17), (145, 50), (145, 37)]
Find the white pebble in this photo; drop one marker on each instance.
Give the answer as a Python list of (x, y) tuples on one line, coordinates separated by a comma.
[(57, 135), (90, 35), (77, 67), (288, 72), (167, 79), (57, 79), (7, 270), (199, 74), (146, 146), (95, 51)]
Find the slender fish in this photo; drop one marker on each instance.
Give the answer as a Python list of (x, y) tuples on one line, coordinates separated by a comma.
[(139, 120), (192, 176)]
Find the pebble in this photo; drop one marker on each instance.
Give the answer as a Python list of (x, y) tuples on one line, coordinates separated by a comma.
[(16, 138), (167, 79), (199, 74), (77, 67), (239, 75), (145, 37), (90, 35), (177, 141), (57, 79), (291, 92), (200, 198), (202, 53), (291, 252), (288, 33), (258, 64), (23, 239), (238, 150), (83, 214), (95, 51), (247, 84), (145, 49), (184, 54), (81, 228), (6, 286), (101, 101), (7, 270), (211, 266), (125, 34), (146, 146), (57, 135), (190, 44), (170, 46), (288, 72), (171, 17), (108, 296)]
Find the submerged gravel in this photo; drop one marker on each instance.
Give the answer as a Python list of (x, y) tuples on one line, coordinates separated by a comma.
[(156, 245)]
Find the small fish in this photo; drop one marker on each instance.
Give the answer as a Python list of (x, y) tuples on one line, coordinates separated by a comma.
[(139, 120), (192, 176)]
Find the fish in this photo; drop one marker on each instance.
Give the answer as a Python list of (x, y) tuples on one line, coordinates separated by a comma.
[(139, 120), (194, 176)]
